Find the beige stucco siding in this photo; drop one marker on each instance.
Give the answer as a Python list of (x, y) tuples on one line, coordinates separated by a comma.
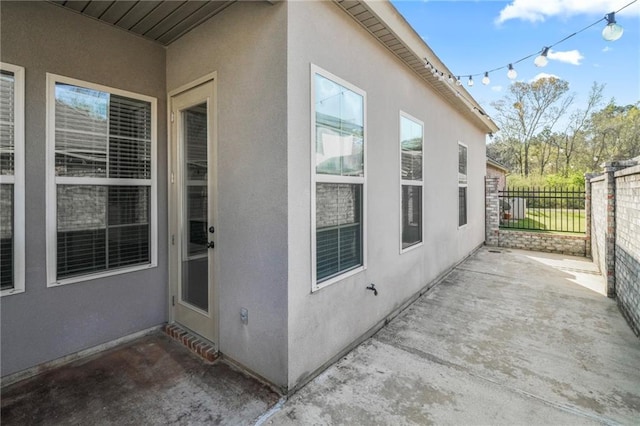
[(246, 46), (321, 324), (43, 323)]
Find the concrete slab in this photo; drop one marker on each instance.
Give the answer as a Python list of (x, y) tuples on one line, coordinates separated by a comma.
[(513, 337), (509, 337), (149, 381)]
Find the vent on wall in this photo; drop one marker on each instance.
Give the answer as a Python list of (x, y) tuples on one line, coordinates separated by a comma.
[(160, 21)]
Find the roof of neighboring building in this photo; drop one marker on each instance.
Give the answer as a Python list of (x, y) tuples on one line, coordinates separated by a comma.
[(387, 25), (497, 164)]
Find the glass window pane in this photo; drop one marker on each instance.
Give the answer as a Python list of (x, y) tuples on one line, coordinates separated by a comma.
[(462, 206), (338, 228), (6, 236), (411, 143), (129, 138), (81, 131), (462, 163), (411, 215), (7, 119), (102, 227), (339, 114), (81, 229)]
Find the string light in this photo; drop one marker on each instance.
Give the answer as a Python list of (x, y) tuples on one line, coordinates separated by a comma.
[(458, 81), (542, 61), (611, 32)]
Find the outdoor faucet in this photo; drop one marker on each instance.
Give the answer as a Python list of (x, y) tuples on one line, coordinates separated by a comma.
[(372, 287)]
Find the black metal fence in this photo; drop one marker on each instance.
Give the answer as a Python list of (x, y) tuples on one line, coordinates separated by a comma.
[(543, 209)]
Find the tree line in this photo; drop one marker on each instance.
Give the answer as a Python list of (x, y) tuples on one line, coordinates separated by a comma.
[(542, 134)]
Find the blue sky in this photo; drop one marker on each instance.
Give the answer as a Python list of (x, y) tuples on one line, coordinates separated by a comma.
[(472, 37)]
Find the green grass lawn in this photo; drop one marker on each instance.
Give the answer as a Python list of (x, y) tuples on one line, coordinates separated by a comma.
[(561, 220)]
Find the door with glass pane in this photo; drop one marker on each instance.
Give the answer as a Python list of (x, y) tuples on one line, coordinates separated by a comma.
[(192, 210)]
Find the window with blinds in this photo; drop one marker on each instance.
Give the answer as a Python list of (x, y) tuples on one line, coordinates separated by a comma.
[(411, 143), (11, 179), (103, 180), (462, 184), (339, 147)]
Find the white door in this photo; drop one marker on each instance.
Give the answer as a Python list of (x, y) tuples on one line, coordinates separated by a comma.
[(192, 211)]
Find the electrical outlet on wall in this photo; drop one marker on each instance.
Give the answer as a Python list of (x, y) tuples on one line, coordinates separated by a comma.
[(244, 315)]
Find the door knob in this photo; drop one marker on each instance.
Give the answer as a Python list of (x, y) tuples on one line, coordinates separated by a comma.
[(210, 244), (211, 229)]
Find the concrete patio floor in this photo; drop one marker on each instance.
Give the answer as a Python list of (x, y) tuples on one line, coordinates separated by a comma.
[(514, 338), (509, 337)]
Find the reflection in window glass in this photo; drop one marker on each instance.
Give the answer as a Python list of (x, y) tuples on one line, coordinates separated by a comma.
[(411, 135), (462, 185), (102, 221), (339, 121), (339, 114), (339, 228), (411, 143)]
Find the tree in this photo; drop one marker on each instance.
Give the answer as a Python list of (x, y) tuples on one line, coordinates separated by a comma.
[(574, 132), (527, 110)]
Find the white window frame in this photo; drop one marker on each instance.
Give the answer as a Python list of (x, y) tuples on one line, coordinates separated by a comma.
[(462, 184), (404, 182), (53, 180), (319, 178), (18, 181)]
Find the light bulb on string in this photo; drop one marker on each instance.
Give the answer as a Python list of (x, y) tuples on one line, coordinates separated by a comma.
[(458, 82), (512, 74), (542, 61), (450, 79), (485, 79), (612, 31), (470, 82), (441, 76)]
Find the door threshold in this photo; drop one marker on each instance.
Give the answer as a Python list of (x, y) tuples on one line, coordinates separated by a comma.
[(192, 341)]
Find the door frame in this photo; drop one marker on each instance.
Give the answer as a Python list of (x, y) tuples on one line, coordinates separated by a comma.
[(173, 209)]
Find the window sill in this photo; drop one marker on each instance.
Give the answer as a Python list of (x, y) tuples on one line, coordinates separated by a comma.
[(11, 291), (338, 278), (91, 277), (413, 247)]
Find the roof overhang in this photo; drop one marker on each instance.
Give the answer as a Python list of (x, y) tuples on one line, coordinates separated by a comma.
[(159, 21), (390, 28)]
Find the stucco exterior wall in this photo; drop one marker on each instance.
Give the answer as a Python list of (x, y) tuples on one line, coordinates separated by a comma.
[(323, 323), (246, 45), (43, 323)]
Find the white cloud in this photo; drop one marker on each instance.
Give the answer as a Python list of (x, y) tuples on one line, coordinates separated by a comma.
[(606, 49), (572, 57), (543, 75), (496, 88), (539, 10)]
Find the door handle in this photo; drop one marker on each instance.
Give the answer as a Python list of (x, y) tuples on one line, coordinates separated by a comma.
[(212, 229), (210, 244)]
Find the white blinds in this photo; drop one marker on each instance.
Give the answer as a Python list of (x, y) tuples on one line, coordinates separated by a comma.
[(101, 224)]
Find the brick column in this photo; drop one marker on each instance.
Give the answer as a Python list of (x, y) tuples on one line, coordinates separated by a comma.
[(587, 212), (492, 212), (610, 237)]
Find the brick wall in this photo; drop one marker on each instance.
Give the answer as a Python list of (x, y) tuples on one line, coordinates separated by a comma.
[(598, 221), (627, 244), (575, 245)]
